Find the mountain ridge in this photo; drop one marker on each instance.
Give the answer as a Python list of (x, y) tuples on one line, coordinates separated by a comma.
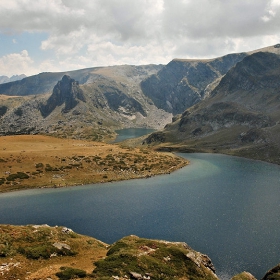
[(189, 92), (241, 116)]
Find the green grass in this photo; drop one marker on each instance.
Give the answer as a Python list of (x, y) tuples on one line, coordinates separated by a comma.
[(18, 175), (70, 273), (149, 257)]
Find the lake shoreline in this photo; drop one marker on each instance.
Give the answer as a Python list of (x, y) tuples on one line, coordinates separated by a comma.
[(36, 161), (147, 176), (215, 205)]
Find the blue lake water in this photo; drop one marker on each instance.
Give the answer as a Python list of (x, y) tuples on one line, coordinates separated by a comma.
[(226, 207), (128, 133)]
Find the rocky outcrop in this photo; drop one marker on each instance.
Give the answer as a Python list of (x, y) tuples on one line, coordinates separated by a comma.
[(142, 258), (67, 92), (35, 250), (273, 274)]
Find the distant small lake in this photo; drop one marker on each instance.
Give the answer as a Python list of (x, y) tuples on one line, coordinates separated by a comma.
[(226, 207), (129, 133)]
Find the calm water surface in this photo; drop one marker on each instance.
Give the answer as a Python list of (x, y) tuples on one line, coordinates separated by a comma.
[(225, 207), (128, 133)]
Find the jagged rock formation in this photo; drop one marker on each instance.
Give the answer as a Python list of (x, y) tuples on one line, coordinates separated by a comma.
[(240, 117), (68, 92), (183, 83)]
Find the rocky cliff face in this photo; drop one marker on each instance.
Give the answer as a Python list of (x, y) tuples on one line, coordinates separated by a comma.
[(240, 117), (183, 83)]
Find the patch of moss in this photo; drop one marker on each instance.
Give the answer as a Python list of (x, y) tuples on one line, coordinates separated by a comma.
[(70, 273), (44, 251), (38, 251), (6, 250), (117, 247), (39, 165), (18, 175)]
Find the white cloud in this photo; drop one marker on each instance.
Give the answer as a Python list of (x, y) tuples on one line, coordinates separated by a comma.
[(91, 33), (19, 61)]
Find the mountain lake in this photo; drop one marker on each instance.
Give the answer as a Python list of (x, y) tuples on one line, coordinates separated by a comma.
[(128, 133), (225, 207)]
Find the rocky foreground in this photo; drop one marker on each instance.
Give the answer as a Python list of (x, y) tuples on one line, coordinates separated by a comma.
[(36, 252)]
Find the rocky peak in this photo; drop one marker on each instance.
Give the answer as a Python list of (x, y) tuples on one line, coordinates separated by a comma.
[(68, 92)]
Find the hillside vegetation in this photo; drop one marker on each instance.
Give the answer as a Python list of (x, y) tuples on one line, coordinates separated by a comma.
[(43, 252)]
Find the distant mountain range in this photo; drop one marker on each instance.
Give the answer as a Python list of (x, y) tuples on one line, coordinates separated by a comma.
[(228, 104), (5, 79)]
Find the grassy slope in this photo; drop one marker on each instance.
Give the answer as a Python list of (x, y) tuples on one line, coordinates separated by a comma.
[(20, 246), (54, 162), (30, 252)]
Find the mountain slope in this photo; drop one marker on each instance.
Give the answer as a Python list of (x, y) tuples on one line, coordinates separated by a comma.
[(183, 83), (44, 82), (241, 116), (102, 99), (90, 111)]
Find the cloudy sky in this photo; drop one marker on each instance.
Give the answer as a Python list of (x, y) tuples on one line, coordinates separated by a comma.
[(57, 35)]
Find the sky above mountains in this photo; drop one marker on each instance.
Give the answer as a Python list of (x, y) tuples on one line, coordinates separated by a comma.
[(58, 35)]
